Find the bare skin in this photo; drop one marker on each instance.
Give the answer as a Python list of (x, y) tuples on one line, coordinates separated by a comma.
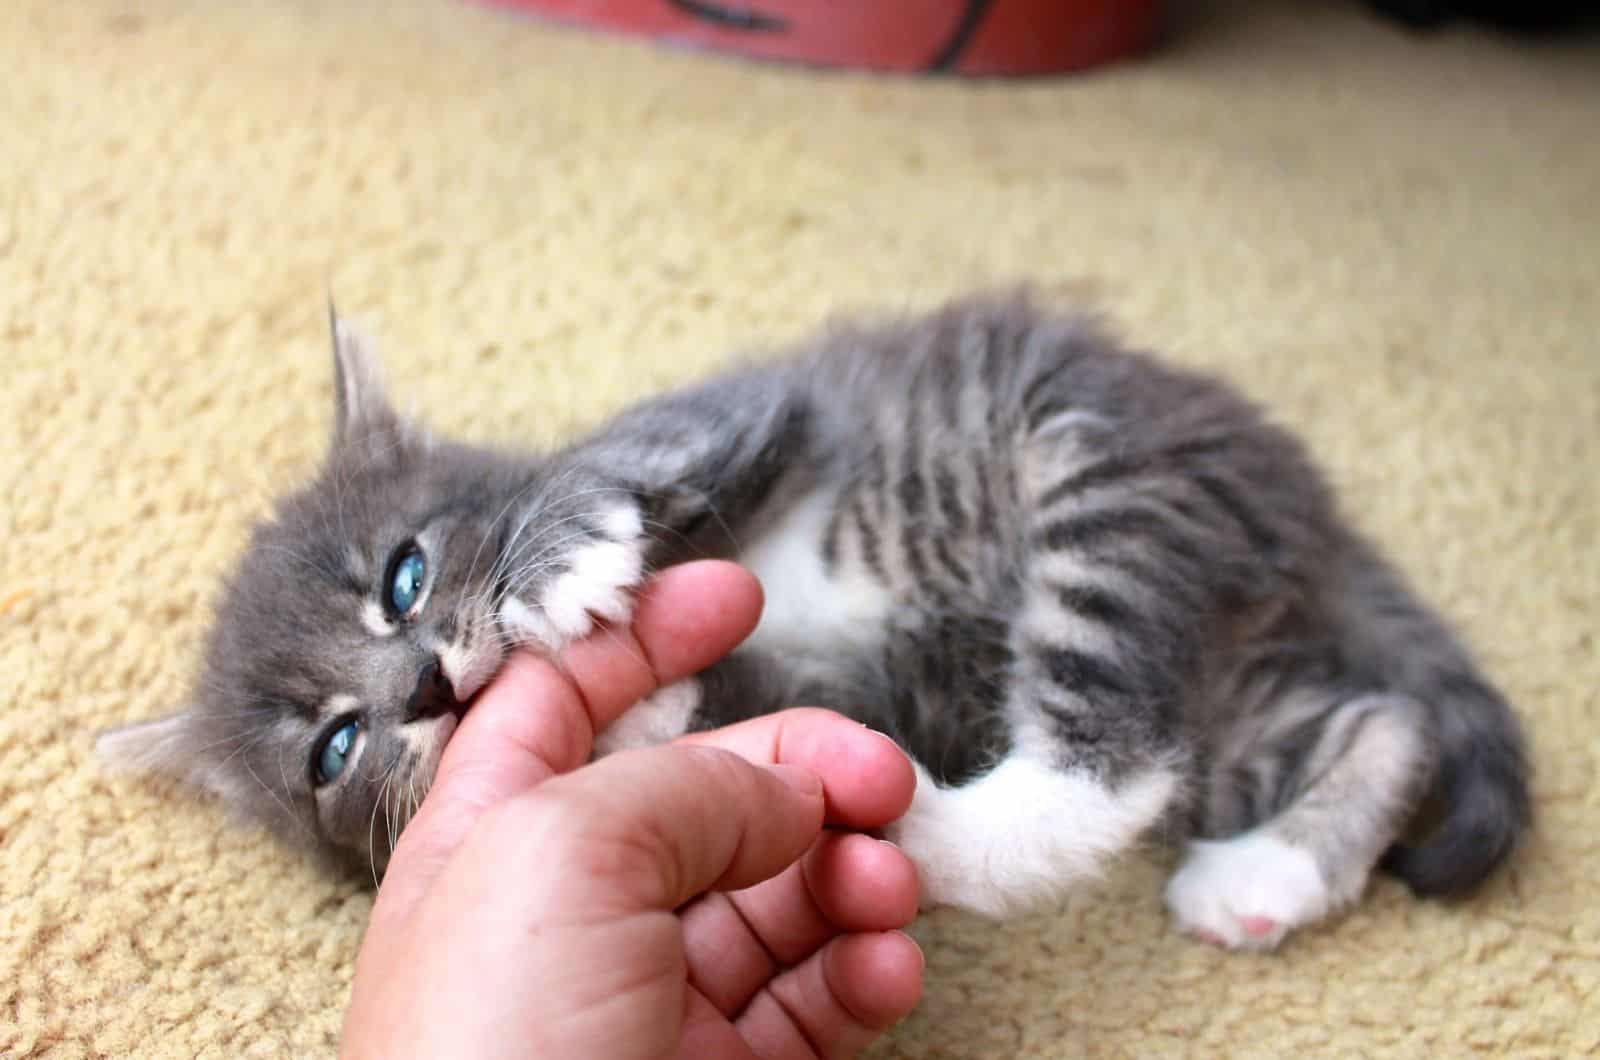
[(712, 898)]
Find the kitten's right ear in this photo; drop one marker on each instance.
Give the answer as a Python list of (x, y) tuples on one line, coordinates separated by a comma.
[(360, 407), (174, 746)]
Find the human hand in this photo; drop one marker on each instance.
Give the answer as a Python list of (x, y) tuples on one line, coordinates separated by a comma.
[(684, 900)]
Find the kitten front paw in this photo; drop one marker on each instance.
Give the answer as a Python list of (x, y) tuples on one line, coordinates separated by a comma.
[(1247, 892), (597, 585)]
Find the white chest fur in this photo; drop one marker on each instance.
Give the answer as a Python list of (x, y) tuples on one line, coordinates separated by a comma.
[(807, 607)]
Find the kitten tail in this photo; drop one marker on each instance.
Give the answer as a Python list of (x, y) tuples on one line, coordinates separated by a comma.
[(1482, 785)]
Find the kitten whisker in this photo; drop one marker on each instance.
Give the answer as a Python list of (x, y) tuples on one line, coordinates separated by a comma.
[(544, 486), (244, 740), (383, 786), (538, 504), (516, 564), (276, 798), (540, 561), (515, 552), (520, 545), (488, 535), (309, 564), (414, 795)]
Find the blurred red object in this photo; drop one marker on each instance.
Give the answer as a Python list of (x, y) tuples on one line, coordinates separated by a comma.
[(970, 37)]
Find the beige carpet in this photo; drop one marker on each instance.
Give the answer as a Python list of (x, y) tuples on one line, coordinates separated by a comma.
[(1395, 243)]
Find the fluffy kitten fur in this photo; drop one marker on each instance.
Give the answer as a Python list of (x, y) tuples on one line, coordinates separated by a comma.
[(1094, 596)]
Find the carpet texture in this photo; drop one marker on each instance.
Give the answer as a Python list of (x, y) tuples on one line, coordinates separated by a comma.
[(1395, 242)]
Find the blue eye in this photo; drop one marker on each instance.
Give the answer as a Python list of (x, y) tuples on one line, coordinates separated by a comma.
[(335, 751), (406, 572)]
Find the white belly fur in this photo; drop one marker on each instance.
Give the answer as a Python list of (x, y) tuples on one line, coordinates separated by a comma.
[(807, 609)]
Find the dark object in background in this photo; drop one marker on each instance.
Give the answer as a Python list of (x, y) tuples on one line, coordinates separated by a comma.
[(978, 38), (1526, 16)]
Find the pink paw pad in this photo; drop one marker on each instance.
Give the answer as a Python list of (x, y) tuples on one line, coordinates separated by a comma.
[(1258, 926)]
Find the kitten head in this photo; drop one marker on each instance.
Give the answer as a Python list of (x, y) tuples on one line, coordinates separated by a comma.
[(359, 621)]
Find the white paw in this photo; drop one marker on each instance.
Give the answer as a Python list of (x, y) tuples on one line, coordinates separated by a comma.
[(1247, 892), (1016, 839), (658, 718), (597, 586)]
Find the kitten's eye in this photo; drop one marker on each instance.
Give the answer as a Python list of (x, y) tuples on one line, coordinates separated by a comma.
[(404, 584), (335, 751)]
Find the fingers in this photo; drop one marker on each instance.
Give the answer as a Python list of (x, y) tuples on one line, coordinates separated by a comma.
[(734, 943), (707, 1033), (858, 884), (563, 897), (838, 1001), (868, 779), (687, 618), (534, 720), (648, 830)]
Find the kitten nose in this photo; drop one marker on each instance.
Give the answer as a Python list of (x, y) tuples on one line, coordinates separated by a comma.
[(434, 694)]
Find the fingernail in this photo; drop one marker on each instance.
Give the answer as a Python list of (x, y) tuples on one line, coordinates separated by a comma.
[(886, 738), (922, 959), (801, 780)]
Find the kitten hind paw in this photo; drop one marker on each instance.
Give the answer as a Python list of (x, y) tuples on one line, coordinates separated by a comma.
[(1247, 892)]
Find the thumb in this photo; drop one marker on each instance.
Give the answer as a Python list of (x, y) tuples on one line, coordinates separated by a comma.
[(551, 931)]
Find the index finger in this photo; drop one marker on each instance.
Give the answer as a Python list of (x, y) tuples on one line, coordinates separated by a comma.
[(867, 777)]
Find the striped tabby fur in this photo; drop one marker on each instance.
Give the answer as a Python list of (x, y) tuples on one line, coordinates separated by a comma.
[(1092, 595)]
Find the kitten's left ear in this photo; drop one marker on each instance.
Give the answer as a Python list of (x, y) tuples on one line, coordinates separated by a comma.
[(360, 408), (176, 746)]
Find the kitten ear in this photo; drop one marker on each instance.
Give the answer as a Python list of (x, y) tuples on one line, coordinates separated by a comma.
[(360, 407), (174, 746)]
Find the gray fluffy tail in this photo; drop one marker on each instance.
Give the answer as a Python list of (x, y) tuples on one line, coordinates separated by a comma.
[(1480, 789), (1477, 800)]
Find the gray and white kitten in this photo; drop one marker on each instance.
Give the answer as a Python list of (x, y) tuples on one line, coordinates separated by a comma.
[(1092, 595)]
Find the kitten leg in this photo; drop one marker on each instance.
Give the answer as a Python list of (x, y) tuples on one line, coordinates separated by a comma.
[(1115, 592), (702, 462), (1017, 838), (1092, 766), (1363, 769), (663, 483)]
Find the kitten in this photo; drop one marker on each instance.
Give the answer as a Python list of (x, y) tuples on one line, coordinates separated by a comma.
[(1092, 595)]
